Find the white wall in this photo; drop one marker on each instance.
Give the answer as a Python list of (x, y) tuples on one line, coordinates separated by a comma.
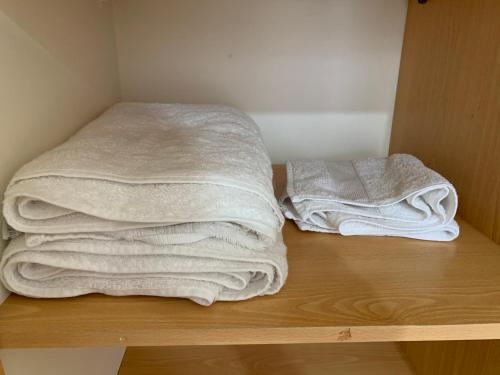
[(58, 70), (63, 361), (319, 76)]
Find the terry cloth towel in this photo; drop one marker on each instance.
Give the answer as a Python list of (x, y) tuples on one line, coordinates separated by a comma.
[(394, 196), (148, 199)]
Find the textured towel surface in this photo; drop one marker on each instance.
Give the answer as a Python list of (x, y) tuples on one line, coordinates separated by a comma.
[(394, 196), (170, 200)]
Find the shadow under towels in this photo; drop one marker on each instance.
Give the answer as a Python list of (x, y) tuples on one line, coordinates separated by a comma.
[(148, 199), (394, 196)]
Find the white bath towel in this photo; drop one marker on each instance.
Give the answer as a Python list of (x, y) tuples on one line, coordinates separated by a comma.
[(170, 200), (394, 196)]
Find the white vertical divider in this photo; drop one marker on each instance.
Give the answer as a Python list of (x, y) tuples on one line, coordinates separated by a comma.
[(74, 361)]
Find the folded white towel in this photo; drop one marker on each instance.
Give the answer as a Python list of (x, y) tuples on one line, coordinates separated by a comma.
[(205, 271), (170, 200), (394, 196)]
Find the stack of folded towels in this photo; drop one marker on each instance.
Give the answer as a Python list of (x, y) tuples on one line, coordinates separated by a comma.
[(394, 196), (149, 199)]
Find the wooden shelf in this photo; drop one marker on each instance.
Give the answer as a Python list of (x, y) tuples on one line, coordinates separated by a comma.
[(340, 289), (302, 359)]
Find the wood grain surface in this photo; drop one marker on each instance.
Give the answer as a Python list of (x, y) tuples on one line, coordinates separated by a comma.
[(454, 357), (311, 359), (448, 101), (448, 114), (340, 289)]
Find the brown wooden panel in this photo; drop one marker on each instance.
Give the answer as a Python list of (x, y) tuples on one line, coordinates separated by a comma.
[(454, 357), (448, 102), (314, 359), (448, 114)]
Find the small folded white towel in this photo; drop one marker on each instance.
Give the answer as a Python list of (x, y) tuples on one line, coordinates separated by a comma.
[(394, 196)]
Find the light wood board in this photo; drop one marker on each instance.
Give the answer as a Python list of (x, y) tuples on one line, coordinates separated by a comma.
[(311, 359), (448, 114), (448, 101)]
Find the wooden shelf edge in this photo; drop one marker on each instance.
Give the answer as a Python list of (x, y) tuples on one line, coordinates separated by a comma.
[(264, 336)]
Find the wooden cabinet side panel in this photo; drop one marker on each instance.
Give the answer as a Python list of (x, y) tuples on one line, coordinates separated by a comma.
[(448, 103), (448, 114)]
